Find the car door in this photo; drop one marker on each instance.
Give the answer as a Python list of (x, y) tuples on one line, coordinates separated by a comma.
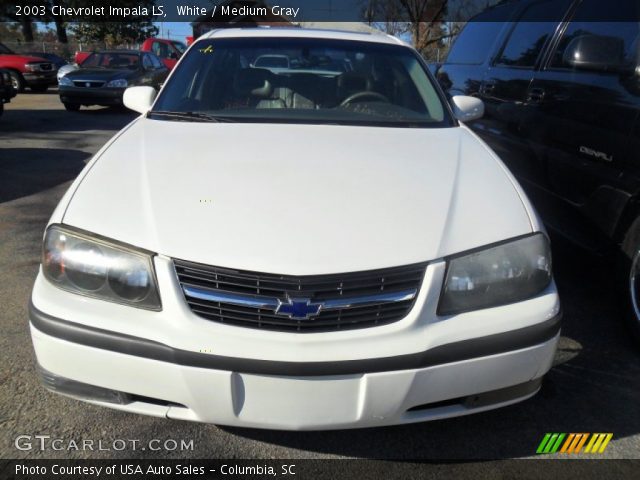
[(581, 116), (507, 81)]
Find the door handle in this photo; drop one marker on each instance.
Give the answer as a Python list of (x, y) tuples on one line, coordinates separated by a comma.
[(536, 95)]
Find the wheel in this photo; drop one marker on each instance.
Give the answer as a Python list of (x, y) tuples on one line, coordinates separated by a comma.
[(17, 81), (39, 88), (629, 277), (72, 107)]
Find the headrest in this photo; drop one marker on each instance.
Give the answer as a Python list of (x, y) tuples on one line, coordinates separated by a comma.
[(253, 81)]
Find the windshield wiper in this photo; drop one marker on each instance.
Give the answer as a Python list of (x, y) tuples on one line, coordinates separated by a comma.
[(191, 116)]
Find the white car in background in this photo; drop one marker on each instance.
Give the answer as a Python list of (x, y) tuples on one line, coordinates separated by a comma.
[(63, 70), (296, 250)]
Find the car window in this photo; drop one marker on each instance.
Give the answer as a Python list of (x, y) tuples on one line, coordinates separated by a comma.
[(179, 46), (4, 50), (625, 34), (160, 49), (146, 62), (157, 63), (386, 84), (528, 36), (116, 60), (474, 44)]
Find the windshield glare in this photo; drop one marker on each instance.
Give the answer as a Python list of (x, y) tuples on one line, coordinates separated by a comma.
[(302, 80)]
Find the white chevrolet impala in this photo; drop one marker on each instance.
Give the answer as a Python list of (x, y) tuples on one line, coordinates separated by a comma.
[(314, 244)]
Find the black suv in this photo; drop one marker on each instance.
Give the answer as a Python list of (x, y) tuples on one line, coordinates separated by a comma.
[(7, 92), (562, 103)]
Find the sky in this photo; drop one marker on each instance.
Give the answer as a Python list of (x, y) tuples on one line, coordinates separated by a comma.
[(174, 30)]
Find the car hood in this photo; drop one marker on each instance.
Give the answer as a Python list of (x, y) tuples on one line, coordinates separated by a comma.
[(26, 58), (102, 74), (298, 199)]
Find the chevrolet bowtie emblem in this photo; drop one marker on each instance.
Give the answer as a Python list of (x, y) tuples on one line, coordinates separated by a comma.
[(298, 308)]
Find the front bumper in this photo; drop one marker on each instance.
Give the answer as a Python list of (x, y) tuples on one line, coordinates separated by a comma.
[(91, 96), (40, 78), (177, 365)]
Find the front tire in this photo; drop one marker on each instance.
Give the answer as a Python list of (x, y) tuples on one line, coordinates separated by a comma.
[(71, 107), (17, 81), (629, 276)]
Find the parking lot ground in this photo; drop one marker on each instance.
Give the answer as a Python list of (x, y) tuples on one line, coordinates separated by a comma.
[(594, 385)]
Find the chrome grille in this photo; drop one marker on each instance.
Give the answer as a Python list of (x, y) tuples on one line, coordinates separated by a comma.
[(254, 300)]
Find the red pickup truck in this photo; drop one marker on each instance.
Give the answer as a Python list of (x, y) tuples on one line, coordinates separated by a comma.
[(27, 71), (169, 51)]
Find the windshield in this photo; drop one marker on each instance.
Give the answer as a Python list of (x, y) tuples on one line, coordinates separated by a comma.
[(301, 80), (122, 61)]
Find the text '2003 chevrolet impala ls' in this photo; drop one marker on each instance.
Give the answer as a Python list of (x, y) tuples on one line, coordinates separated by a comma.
[(313, 244)]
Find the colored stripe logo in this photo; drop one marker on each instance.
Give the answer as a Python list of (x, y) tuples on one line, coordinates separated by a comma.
[(574, 443)]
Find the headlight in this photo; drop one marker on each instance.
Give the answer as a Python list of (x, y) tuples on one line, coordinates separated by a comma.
[(65, 82), (507, 273), (120, 83), (32, 67), (99, 268)]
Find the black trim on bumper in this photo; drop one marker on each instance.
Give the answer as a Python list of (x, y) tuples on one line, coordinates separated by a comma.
[(91, 96), (140, 347), (44, 78)]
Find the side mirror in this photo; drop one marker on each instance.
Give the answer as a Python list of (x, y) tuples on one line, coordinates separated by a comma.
[(139, 99), (174, 56), (467, 108), (596, 52)]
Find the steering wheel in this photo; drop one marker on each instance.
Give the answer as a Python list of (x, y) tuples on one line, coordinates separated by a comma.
[(363, 94)]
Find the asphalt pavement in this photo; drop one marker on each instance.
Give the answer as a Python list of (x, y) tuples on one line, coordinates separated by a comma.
[(594, 385)]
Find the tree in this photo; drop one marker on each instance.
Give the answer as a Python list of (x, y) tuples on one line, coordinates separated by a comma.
[(9, 12), (61, 26), (430, 23), (421, 19), (134, 30)]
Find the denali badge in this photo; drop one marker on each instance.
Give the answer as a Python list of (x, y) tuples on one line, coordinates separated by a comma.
[(594, 153)]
